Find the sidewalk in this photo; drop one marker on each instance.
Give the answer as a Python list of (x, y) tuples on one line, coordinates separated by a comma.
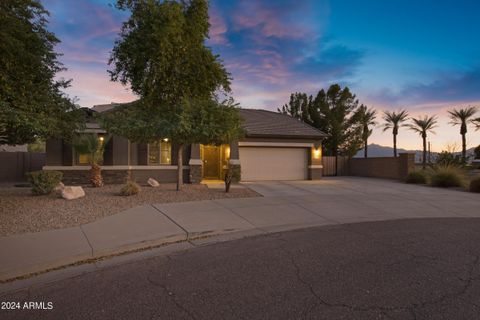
[(284, 207)]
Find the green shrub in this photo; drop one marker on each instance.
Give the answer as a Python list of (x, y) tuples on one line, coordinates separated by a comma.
[(475, 185), (417, 177), (43, 182), (130, 188), (446, 176)]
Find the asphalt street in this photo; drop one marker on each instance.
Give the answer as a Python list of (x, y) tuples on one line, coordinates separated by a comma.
[(403, 269)]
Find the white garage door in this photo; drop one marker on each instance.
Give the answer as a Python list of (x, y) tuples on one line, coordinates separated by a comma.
[(261, 163)]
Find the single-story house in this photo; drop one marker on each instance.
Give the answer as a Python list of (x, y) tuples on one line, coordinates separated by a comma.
[(275, 147)]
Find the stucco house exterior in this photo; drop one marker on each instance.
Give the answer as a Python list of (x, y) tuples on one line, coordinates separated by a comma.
[(275, 147)]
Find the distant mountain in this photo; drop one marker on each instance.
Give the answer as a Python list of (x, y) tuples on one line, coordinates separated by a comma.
[(376, 150)]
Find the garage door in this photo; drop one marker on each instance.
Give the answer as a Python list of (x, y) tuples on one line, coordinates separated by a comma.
[(260, 163)]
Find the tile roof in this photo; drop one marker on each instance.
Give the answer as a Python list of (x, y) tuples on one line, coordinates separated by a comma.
[(260, 122)]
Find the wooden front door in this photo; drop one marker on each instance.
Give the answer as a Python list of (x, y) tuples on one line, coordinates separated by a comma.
[(211, 162)]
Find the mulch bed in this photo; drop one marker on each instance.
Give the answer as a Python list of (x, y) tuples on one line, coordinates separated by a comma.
[(21, 212)]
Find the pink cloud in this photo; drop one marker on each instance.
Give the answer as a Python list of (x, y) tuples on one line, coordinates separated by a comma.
[(91, 87), (218, 28), (270, 22)]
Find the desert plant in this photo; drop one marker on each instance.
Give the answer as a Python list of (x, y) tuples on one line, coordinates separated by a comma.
[(447, 176), (231, 175), (475, 185), (417, 177), (394, 120), (460, 117), (94, 146), (44, 182), (130, 188), (449, 158), (422, 126)]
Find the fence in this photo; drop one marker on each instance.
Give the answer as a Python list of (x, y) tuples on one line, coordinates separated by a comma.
[(14, 165), (377, 167), (335, 166)]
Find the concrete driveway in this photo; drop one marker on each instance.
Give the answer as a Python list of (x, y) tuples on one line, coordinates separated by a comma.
[(351, 199)]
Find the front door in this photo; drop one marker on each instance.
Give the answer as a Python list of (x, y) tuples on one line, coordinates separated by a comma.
[(211, 162)]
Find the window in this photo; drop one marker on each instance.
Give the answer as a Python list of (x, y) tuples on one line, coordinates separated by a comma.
[(83, 159), (159, 152)]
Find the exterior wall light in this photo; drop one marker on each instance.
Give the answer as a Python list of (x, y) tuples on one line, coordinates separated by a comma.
[(165, 139), (101, 138), (317, 153)]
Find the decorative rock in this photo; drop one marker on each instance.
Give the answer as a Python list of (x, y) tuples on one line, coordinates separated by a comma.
[(153, 183), (71, 193), (59, 187)]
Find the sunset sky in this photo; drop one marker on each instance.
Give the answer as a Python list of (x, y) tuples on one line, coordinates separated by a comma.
[(420, 55)]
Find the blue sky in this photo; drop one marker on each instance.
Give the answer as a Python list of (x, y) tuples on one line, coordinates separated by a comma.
[(420, 55)]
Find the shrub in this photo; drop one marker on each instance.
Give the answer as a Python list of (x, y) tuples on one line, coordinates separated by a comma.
[(130, 188), (475, 185), (446, 176), (417, 177), (446, 158), (44, 182)]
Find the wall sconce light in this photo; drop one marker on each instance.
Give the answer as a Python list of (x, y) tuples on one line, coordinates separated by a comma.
[(165, 139), (227, 152), (101, 138), (317, 153)]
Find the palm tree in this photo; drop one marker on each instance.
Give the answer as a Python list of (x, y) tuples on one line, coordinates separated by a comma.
[(476, 122), (94, 146), (422, 126), (461, 117), (394, 120), (366, 118)]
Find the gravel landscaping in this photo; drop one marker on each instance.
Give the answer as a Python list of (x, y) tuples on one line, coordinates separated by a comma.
[(21, 212)]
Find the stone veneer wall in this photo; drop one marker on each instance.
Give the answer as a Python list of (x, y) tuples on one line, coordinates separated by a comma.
[(383, 167), (82, 177)]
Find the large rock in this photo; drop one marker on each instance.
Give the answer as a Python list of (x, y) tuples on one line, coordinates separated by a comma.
[(71, 193), (153, 183)]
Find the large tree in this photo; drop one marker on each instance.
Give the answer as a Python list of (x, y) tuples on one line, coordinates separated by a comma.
[(298, 107), (366, 118), (393, 121), (423, 126), (461, 117), (162, 56), (335, 113), (32, 104)]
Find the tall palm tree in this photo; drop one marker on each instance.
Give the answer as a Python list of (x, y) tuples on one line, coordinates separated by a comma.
[(422, 126), (461, 117), (94, 146), (394, 120), (366, 118)]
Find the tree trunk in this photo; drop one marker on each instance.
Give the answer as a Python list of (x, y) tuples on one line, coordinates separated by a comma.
[(464, 148), (366, 149), (180, 168), (96, 176), (395, 145), (424, 160)]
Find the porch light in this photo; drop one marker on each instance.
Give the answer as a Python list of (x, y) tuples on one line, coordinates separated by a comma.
[(165, 139), (227, 152), (101, 138), (317, 153)]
